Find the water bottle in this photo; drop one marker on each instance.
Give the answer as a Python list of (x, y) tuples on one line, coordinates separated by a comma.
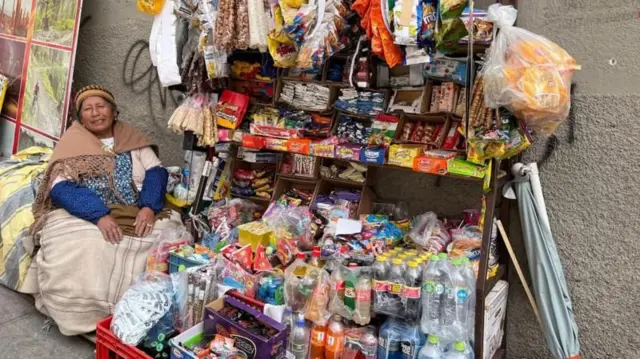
[(412, 340), (432, 349), (460, 350), (411, 291), (469, 274), (432, 297), (299, 338), (389, 339), (448, 300), (461, 294)]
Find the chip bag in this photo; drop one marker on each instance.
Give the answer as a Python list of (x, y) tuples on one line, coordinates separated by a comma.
[(527, 73), (151, 7)]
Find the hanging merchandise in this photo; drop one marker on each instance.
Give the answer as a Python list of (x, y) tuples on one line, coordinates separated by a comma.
[(406, 22), (231, 109), (259, 13), (215, 59), (377, 31), (162, 42), (427, 22), (195, 114), (527, 73)]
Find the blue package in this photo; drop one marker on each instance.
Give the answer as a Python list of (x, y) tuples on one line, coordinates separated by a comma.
[(373, 155), (447, 69)]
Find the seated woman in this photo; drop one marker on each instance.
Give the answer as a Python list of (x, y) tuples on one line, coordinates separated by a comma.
[(97, 213)]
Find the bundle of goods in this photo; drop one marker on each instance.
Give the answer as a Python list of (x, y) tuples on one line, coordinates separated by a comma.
[(351, 171), (445, 98), (350, 293), (481, 27), (373, 22), (196, 114), (294, 164), (284, 123), (247, 183), (220, 347), (353, 130), (527, 73), (168, 241), (226, 215), (244, 70), (4, 85), (360, 102), (258, 92), (420, 132), (346, 200), (305, 96)]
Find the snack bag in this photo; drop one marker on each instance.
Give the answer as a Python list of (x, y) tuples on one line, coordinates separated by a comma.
[(527, 73), (151, 7), (231, 109)]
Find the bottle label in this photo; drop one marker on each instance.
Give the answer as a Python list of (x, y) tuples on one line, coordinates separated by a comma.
[(338, 286), (380, 285), (363, 295), (429, 287), (407, 349), (462, 294), (318, 338), (396, 288), (350, 292), (411, 292), (439, 288)]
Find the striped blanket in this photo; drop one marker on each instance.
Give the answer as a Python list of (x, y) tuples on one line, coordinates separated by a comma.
[(77, 277), (16, 196)]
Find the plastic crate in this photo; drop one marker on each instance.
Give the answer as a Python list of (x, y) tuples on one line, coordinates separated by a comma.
[(176, 261), (110, 347)]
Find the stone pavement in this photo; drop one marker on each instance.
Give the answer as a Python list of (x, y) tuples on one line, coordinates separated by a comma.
[(21, 334)]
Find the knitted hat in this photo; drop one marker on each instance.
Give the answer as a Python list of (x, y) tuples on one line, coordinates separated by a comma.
[(93, 90)]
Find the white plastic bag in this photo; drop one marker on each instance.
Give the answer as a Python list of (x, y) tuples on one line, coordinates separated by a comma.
[(527, 73), (429, 233)]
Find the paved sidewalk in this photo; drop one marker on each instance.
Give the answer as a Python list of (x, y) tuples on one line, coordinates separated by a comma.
[(21, 334)]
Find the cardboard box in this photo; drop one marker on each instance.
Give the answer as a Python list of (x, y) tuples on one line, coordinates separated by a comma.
[(404, 155), (323, 150), (410, 100), (374, 155), (495, 307), (255, 142), (434, 161), (349, 152), (299, 145), (276, 144), (250, 345)]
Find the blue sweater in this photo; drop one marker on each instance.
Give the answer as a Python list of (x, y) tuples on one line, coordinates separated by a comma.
[(84, 203)]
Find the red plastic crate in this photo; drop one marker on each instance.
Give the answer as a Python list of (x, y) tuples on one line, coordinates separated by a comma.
[(110, 347)]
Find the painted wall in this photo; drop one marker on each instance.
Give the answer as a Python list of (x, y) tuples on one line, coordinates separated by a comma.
[(590, 186)]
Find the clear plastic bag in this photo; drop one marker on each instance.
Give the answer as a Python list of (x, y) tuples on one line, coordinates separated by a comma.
[(527, 73), (306, 290), (350, 293), (151, 7), (429, 233), (290, 223), (168, 240), (148, 300)]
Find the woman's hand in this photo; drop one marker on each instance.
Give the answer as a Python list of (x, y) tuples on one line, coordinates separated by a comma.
[(110, 230), (144, 222)]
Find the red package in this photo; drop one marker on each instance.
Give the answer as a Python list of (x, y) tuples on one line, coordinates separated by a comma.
[(452, 137), (244, 257), (299, 145), (231, 108), (256, 142), (417, 133), (406, 131), (261, 263)]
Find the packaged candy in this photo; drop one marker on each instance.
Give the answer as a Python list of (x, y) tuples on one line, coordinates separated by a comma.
[(231, 109), (527, 73), (349, 152), (428, 16), (429, 233), (434, 161), (383, 130), (373, 155), (403, 155), (275, 144), (405, 21)]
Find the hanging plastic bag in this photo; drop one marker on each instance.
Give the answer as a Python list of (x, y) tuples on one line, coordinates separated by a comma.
[(141, 307), (429, 233), (527, 73), (373, 22), (151, 7)]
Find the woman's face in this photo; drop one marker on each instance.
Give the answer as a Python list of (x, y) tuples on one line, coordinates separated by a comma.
[(97, 116)]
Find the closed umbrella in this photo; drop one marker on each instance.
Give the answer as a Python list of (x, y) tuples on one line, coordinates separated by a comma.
[(547, 274)]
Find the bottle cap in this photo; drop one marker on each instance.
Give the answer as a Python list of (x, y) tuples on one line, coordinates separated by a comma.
[(460, 346), (443, 256), (381, 258), (465, 260), (434, 258), (397, 261), (353, 265), (300, 321), (433, 339), (456, 261), (300, 256), (413, 264), (316, 251)]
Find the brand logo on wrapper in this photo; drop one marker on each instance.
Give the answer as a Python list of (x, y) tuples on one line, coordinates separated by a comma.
[(462, 294), (380, 285), (245, 345)]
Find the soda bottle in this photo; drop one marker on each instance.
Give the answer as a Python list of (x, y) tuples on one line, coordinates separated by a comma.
[(460, 350), (369, 343), (362, 312), (315, 257), (431, 350), (380, 273), (396, 285), (411, 291), (318, 340), (350, 287), (335, 338), (299, 339)]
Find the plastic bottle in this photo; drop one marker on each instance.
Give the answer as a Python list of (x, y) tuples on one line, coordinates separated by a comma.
[(411, 291), (335, 338), (369, 343), (318, 340), (315, 257), (394, 304), (299, 339), (380, 273), (448, 305), (432, 349), (362, 312), (470, 276), (460, 350), (350, 287), (432, 298), (389, 339), (412, 340), (461, 293)]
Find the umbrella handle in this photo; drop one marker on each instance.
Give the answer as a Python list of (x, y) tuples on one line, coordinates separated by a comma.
[(516, 264)]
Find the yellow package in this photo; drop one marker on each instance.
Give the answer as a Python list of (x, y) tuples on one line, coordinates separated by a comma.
[(403, 155), (254, 233), (4, 84), (151, 7)]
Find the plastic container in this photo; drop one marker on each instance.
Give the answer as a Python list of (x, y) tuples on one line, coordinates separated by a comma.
[(108, 346), (178, 263), (399, 339)]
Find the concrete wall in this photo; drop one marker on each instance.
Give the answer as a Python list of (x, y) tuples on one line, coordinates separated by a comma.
[(590, 186)]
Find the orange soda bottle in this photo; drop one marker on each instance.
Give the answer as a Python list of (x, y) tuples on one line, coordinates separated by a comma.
[(318, 340), (335, 338)]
